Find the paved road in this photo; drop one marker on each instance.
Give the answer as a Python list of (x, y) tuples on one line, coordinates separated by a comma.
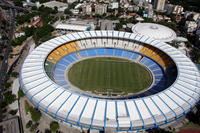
[(4, 65)]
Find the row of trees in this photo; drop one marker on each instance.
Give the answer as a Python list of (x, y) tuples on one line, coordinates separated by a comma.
[(35, 118)]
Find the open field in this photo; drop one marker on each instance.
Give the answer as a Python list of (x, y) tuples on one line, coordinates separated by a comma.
[(102, 73)]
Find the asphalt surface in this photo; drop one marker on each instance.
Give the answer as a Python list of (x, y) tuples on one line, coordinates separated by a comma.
[(4, 65)]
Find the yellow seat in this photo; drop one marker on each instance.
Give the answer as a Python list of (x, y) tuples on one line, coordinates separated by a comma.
[(69, 48), (62, 51)]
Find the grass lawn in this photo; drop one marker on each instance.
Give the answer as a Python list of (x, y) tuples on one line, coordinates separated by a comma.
[(102, 73)]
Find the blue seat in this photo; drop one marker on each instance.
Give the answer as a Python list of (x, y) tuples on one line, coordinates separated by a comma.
[(118, 52), (63, 62), (109, 51), (127, 54), (155, 67), (149, 62), (135, 56), (74, 56), (61, 83), (83, 53), (57, 72), (100, 51), (68, 58), (59, 77), (158, 72), (144, 59), (91, 52), (60, 67)]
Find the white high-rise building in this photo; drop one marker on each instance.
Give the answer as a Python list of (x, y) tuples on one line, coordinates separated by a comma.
[(71, 1), (100, 9), (159, 5)]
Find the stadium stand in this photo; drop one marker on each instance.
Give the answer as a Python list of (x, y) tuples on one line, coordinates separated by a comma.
[(164, 102)]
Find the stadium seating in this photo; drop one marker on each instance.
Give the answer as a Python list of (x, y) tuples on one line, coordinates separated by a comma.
[(150, 57), (91, 52), (127, 54), (100, 51), (118, 52), (109, 51)]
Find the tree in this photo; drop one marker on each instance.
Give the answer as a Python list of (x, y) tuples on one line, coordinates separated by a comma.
[(110, 10), (14, 74), (9, 97), (97, 28), (35, 114), (68, 12), (20, 93), (29, 124), (12, 112), (54, 126), (27, 107), (7, 85), (34, 127), (29, 31), (18, 2), (42, 31)]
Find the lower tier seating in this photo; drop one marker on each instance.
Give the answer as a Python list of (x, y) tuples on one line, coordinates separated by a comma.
[(157, 70)]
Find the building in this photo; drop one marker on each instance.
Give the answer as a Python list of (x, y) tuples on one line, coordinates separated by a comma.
[(150, 11), (60, 5), (114, 5), (159, 5), (88, 9), (19, 33), (76, 25), (34, 21), (177, 9), (72, 27), (155, 31), (71, 1), (31, 4), (169, 8), (100, 9), (191, 26)]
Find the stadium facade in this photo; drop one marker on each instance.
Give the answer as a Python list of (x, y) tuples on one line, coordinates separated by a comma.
[(43, 80)]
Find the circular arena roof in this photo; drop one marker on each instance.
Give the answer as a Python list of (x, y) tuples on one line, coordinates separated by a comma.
[(155, 31), (123, 114)]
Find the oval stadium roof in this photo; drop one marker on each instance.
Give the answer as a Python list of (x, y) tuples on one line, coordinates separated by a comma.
[(94, 113), (155, 31)]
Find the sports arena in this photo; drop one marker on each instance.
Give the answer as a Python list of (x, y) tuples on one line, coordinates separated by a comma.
[(172, 91)]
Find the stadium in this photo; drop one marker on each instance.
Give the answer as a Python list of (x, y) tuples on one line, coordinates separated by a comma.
[(59, 75)]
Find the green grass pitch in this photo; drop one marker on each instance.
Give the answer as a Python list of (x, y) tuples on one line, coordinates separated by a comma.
[(103, 73)]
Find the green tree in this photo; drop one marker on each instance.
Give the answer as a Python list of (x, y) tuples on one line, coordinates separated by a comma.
[(29, 31), (34, 127), (20, 93), (97, 28), (7, 85), (42, 31), (29, 124), (12, 112), (9, 97), (35, 114), (68, 12), (27, 107), (14, 74), (54, 126)]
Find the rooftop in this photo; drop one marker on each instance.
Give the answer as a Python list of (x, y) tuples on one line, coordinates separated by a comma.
[(155, 31)]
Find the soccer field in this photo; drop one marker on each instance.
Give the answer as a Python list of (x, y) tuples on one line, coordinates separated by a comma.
[(102, 73)]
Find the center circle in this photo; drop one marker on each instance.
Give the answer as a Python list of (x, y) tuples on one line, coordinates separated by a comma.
[(103, 74)]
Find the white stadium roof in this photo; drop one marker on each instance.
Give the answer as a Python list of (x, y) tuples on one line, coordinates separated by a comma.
[(80, 110), (72, 27), (155, 31)]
